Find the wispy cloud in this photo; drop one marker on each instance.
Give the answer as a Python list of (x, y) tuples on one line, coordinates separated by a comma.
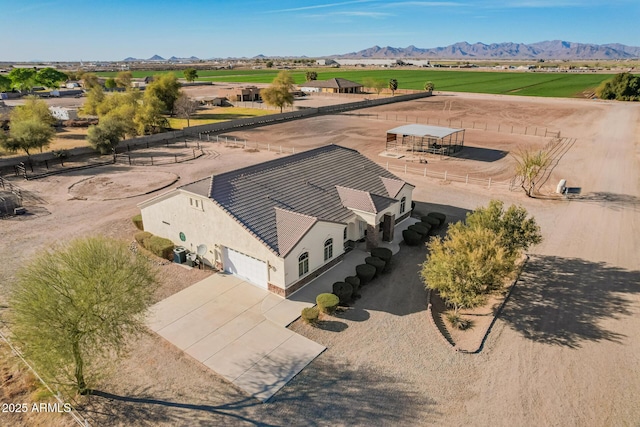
[(426, 4), (37, 6), (320, 6), (548, 4), (357, 14)]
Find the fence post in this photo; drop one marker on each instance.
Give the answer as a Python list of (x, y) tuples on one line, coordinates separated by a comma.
[(268, 147), (405, 168), (445, 175), (498, 127), (387, 165), (151, 160), (466, 181), (425, 172), (489, 182), (175, 157), (525, 129)]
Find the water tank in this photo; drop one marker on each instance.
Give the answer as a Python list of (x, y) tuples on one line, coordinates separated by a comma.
[(179, 255), (561, 186)]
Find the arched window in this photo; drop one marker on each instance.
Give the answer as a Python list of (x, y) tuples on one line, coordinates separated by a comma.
[(303, 264), (403, 204), (328, 249)]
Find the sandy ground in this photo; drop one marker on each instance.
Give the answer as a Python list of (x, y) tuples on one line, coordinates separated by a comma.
[(564, 352)]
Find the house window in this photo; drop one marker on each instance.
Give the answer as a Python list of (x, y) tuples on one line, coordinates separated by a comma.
[(328, 249), (403, 204), (303, 264), (344, 234)]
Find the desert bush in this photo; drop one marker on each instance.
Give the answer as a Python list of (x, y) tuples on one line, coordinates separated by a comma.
[(327, 303), (365, 272), (343, 291), (160, 246), (141, 237), (434, 222), (411, 238), (354, 281), (457, 321), (423, 232), (310, 315), (137, 221), (377, 263), (439, 216)]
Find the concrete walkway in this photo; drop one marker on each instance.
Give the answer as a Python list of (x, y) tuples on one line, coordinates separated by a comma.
[(240, 331)]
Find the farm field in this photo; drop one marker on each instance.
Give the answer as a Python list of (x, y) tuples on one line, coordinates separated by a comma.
[(564, 85)]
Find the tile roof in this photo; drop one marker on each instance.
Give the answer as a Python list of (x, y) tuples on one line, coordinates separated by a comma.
[(304, 183), (393, 186), (291, 227), (335, 83), (363, 200)]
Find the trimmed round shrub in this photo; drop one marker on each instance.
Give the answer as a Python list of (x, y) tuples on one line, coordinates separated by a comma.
[(425, 225), (327, 303), (439, 216), (354, 281), (365, 272), (310, 315), (344, 291), (431, 220), (377, 263), (137, 221), (423, 232), (384, 254), (411, 238)]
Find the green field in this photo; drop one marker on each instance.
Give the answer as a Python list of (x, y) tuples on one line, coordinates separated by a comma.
[(565, 85)]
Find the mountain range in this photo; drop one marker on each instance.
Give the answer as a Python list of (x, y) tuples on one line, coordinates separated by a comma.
[(159, 58), (555, 49)]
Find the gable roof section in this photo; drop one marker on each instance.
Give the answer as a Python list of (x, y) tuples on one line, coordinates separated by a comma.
[(291, 227), (363, 200), (304, 183), (393, 186), (335, 83)]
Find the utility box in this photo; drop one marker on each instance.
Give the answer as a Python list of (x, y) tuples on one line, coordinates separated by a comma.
[(562, 185), (179, 255)]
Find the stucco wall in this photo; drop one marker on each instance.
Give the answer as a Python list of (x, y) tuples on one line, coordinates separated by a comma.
[(206, 224)]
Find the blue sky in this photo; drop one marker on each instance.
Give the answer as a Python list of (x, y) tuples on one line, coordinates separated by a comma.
[(115, 29)]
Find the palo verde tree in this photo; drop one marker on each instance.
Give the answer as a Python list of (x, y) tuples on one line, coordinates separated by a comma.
[(311, 75), (376, 84), (123, 79), (529, 165), (166, 88), (90, 80), (393, 86), (185, 107), (279, 93), (31, 127), (190, 74), (77, 305), (107, 134)]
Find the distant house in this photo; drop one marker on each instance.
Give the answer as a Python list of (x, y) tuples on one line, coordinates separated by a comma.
[(241, 93), (281, 223), (335, 85), (64, 113)]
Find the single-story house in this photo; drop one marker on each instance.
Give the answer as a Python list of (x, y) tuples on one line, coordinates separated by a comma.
[(281, 223), (335, 85), (240, 93)]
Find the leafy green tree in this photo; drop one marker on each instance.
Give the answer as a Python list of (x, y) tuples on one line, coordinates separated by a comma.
[(622, 87), (166, 88), (376, 84), (107, 134), (185, 107), (110, 84), (269, 64), (393, 86), (123, 79), (311, 75), (279, 93), (5, 83), (529, 164), (429, 86), (75, 307), (516, 232), (190, 74), (28, 135), (23, 79), (50, 77)]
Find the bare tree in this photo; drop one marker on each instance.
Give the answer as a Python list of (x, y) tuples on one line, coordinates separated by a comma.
[(529, 165), (185, 107)]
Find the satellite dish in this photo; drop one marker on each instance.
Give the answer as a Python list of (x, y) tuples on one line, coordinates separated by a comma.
[(201, 250)]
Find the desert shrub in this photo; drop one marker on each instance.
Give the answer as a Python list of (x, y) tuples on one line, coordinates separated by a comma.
[(439, 216), (141, 237), (434, 222), (411, 238), (310, 315), (365, 273), (137, 221), (343, 291), (457, 321), (423, 232), (377, 263), (160, 246), (354, 281), (327, 303)]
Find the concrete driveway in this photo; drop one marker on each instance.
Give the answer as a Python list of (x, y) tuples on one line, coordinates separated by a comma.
[(238, 330)]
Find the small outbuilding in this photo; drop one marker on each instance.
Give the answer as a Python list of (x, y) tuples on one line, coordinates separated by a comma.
[(419, 139), (336, 85)]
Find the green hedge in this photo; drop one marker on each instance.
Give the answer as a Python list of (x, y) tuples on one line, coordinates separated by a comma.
[(160, 246), (431, 228), (343, 291), (137, 221), (327, 303), (431, 220), (423, 232), (411, 238), (310, 315), (354, 281), (141, 237), (365, 273), (378, 263), (439, 216)]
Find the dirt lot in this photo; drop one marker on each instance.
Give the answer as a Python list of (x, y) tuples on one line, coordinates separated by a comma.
[(564, 352)]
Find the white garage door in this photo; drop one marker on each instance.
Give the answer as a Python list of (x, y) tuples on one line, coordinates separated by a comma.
[(251, 269)]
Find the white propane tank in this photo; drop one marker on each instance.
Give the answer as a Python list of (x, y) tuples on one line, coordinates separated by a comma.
[(561, 186)]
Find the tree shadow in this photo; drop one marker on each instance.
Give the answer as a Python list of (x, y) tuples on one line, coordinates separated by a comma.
[(561, 301), (480, 154), (609, 200), (331, 325)]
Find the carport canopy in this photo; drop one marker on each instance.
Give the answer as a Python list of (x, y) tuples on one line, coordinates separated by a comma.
[(424, 131)]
